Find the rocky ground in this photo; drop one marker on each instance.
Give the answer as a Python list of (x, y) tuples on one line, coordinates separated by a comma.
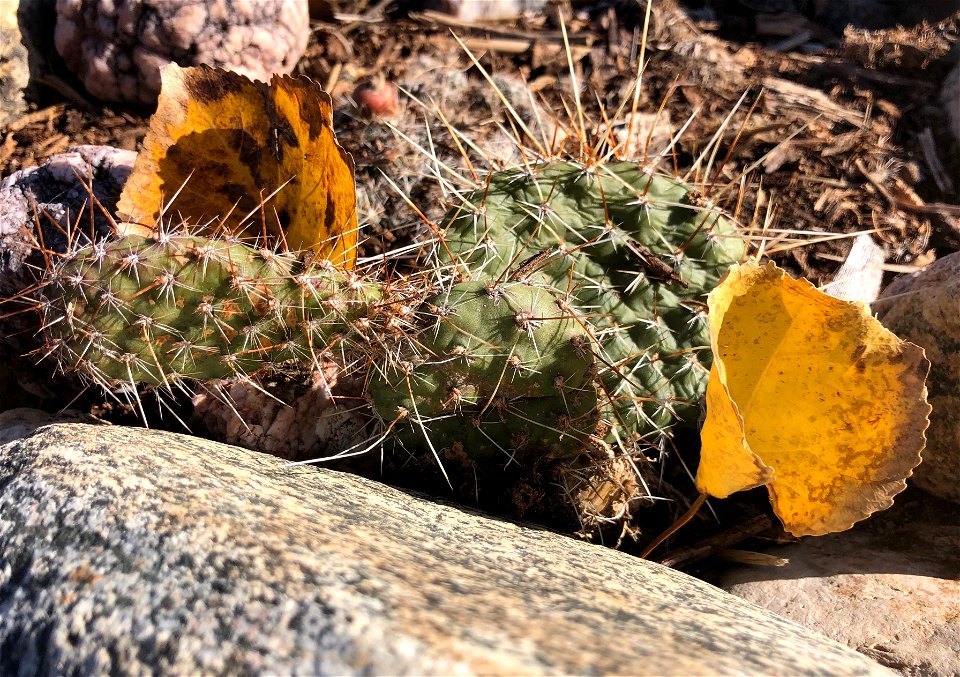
[(835, 120)]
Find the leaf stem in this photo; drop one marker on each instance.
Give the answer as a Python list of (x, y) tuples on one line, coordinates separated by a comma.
[(675, 527)]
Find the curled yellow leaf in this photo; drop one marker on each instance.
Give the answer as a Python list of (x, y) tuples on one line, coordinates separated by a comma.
[(812, 397), (244, 155)]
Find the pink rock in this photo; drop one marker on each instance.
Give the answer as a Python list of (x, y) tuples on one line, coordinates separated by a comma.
[(922, 308), (377, 97), (314, 418), (888, 588), (110, 44)]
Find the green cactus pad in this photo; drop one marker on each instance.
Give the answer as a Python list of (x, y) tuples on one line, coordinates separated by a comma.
[(500, 372), (636, 254), (498, 368), (153, 311)]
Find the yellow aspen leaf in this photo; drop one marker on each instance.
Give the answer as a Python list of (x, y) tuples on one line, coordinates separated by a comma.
[(221, 145), (810, 396)]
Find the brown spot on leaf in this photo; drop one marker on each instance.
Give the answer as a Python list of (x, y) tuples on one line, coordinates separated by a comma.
[(209, 85), (222, 143)]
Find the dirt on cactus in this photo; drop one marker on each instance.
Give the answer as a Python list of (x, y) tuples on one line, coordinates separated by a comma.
[(825, 129)]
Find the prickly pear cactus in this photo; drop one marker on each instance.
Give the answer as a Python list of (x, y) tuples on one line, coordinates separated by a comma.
[(576, 311), (499, 369), (154, 311), (502, 371), (634, 253)]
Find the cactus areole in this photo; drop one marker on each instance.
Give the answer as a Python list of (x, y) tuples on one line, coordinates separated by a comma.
[(577, 312)]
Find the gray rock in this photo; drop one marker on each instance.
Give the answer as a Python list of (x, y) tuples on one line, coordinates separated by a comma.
[(922, 308), (18, 423), (128, 551), (57, 195), (890, 587)]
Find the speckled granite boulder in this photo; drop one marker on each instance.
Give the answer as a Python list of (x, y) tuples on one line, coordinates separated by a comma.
[(130, 551), (923, 308), (116, 47)]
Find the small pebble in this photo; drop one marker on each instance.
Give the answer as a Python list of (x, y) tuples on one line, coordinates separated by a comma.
[(377, 97)]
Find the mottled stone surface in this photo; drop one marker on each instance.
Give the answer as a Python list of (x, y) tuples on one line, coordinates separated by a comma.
[(14, 69), (116, 47), (126, 551), (923, 308), (890, 587), (57, 195)]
